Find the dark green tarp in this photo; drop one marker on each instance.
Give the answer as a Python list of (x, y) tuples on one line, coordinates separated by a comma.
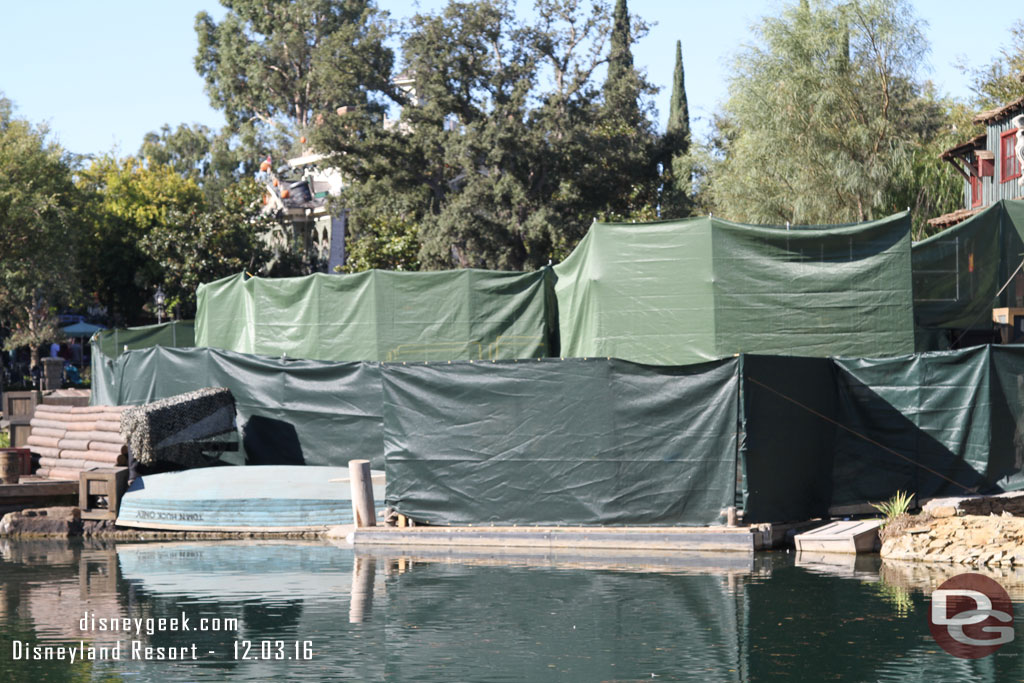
[(611, 442), (290, 412), (109, 344), (685, 291), (561, 442), (382, 315), (958, 272)]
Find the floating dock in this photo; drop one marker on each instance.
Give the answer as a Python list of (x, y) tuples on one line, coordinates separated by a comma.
[(841, 537), (33, 491), (661, 539)]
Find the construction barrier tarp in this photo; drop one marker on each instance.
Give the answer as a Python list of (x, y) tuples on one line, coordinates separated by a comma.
[(290, 412), (959, 272), (612, 442), (107, 345), (686, 291), (382, 316), (561, 442)]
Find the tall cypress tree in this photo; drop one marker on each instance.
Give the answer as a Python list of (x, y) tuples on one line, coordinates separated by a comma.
[(621, 88), (676, 175)]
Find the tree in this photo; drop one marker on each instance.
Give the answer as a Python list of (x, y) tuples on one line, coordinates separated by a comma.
[(677, 174), (505, 151), (824, 115), (38, 241), (284, 63), (1002, 81)]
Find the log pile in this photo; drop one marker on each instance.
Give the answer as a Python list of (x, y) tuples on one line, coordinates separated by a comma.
[(69, 440)]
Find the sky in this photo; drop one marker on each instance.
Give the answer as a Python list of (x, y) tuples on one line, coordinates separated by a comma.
[(102, 74)]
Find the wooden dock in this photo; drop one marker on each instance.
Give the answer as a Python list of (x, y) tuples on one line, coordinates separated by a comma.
[(38, 492), (841, 537), (660, 539)]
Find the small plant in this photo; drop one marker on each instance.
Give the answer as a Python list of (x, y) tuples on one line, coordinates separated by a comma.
[(898, 505)]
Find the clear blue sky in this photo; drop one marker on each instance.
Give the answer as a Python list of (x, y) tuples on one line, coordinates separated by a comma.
[(104, 73)]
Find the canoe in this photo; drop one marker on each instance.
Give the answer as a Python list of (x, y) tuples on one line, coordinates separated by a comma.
[(257, 498)]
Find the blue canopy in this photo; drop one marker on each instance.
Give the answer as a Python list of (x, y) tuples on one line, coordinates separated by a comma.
[(82, 329)]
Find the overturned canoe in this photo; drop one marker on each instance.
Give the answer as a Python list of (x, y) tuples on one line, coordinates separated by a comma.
[(258, 498)]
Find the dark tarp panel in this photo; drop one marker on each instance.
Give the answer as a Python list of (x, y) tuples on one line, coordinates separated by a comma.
[(958, 273), (290, 412), (934, 409), (1006, 459), (687, 291), (109, 344), (561, 442), (382, 315), (787, 437)]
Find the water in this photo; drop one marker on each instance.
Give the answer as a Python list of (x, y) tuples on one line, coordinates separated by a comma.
[(324, 613)]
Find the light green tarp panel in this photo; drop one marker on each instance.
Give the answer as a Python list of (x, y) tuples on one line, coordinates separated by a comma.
[(290, 411), (382, 315), (109, 344), (679, 292), (639, 291), (561, 442), (932, 412)]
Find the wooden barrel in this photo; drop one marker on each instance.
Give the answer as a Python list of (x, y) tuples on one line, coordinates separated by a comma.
[(10, 465)]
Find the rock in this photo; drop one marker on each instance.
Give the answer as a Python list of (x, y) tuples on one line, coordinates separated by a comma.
[(41, 522), (942, 511)]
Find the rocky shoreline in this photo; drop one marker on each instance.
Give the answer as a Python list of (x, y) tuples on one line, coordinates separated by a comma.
[(976, 531)]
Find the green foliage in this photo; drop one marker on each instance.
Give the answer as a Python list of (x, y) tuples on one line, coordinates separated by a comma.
[(38, 236), (898, 505), (150, 226), (1002, 81), (5, 439), (825, 115), (283, 63), (505, 152)]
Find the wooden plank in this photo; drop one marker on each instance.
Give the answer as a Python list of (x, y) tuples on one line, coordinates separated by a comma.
[(48, 441), (46, 452), (107, 447), (858, 536), (72, 444), (49, 424), (74, 427), (37, 487), (43, 431), (738, 539), (109, 437)]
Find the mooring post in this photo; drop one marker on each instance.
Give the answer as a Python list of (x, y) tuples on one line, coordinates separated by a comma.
[(363, 513), (730, 515)]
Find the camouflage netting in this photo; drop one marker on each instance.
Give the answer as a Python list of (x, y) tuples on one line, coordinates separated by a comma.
[(168, 429)]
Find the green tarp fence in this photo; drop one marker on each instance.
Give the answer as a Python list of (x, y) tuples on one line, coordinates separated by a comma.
[(382, 316), (611, 442), (679, 292), (107, 345), (289, 411), (561, 442), (958, 273)]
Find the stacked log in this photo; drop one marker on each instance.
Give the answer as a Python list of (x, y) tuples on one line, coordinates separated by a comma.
[(71, 439)]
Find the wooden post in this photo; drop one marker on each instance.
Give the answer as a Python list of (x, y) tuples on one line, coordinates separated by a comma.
[(730, 516), (363, 512)]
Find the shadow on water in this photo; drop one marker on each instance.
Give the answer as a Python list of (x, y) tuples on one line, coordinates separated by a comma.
[(481, 616)]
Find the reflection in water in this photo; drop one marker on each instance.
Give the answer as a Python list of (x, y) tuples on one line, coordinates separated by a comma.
[(528, 616)]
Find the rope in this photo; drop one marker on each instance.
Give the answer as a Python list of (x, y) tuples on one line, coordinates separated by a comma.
[(1001, 290), (861, 436)]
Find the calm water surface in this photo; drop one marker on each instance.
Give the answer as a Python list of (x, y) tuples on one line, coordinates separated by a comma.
[(324, 613)]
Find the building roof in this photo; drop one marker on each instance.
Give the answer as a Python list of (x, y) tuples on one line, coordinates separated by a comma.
[(1000, 113), (977, 142), (947, 220)]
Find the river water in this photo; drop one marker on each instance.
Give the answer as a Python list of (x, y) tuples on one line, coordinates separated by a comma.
[(318, 612)]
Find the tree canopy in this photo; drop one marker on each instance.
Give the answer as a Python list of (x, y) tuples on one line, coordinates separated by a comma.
[(825, 113)]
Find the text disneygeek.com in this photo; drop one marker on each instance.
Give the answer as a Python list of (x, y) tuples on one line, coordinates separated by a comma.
[(138, 649)]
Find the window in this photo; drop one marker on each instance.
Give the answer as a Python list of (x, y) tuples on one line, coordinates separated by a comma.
[(1009, 164), (975, 191)]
